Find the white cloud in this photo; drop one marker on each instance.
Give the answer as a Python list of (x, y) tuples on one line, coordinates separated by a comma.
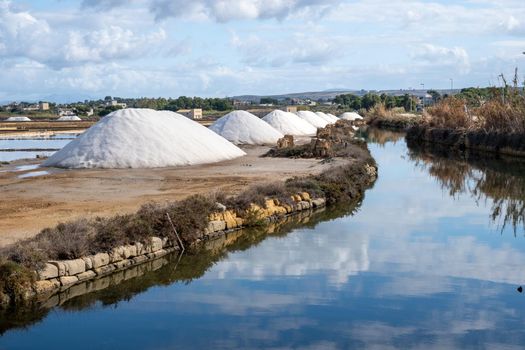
[(439, 55), (229, 10)]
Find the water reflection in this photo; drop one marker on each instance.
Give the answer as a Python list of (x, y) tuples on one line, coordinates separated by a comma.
[(497, 180), (415, 267), (172, 269)]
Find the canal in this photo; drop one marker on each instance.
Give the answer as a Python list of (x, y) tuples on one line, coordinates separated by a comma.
[(431, 258)]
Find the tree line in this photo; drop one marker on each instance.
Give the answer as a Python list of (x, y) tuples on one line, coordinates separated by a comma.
[(370, 100)]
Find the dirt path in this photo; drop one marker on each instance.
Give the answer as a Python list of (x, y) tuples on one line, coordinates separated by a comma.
[(31, 204)]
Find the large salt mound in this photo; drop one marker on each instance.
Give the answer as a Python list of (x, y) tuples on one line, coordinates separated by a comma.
[(241, 127), (312, 118), (68, 118), (289, 123), (326, 117), (18, 119), (350, 116), (144, 138)]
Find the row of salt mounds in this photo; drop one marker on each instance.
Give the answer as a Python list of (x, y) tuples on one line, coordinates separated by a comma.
[(18, 119), (312, 118), (68, 118), (350, 116), (332, 116), (289, 123), (326, 117), (244, 128), (144, 138)]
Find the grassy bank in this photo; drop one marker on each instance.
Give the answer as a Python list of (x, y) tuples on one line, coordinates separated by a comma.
[(494, 122)]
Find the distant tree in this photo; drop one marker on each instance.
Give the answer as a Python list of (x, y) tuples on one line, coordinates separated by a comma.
[(436, 96), (268, 100)]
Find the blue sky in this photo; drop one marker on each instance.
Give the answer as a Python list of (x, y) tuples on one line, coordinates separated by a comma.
[(78, 49)]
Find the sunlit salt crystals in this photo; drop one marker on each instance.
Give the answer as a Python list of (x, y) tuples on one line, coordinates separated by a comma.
[(18, 119), (289, 123), (241, 127), (68, 118), (328, 118), (312, 118), (144, 138)]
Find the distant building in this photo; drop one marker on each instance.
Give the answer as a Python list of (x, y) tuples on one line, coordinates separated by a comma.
[(30, 108), (115, 103), (43, 106), (90, 112), (240, 103), (195, 113), (291, 109)]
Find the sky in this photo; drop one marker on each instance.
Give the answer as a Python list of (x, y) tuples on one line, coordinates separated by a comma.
[(67, 50)]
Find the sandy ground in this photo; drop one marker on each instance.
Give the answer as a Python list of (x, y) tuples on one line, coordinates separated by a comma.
[(30, 204)]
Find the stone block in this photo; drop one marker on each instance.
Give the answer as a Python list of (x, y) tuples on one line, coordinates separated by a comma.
[(139, 259), (87, 275), (68, 280), (74, 267), (49, 271), (318, 202), (88, 262), (99, 260), (116, 254), (104, 270), (60, 266), (123, 264), (216, 225), (140, 248), (47, 286), (305, 196), (156, 244), (229, 218)]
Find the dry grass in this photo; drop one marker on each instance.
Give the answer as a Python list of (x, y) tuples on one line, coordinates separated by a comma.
[(503, 112)]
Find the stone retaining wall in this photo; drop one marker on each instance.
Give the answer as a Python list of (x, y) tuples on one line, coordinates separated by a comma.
[(59, 276)]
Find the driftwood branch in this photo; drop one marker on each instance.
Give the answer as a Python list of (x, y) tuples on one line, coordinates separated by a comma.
[(181, 246)]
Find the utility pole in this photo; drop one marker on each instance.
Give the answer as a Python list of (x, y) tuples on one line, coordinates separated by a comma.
[(451, 85)]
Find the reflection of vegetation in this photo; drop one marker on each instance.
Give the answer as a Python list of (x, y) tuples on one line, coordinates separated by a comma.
[(168, 270), (499, 180), (380, 136)]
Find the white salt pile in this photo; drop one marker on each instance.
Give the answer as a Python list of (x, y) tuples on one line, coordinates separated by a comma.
[(68, 118), (18, 119), (326, 117), (332, 116), (241, 127), (144, 138), (350, 116), (289, 123), (312, 118)]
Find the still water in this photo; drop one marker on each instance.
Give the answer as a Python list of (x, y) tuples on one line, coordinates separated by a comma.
[(30, 147), (431, 258)]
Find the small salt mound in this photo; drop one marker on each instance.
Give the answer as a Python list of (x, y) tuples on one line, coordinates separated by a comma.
[(18, 119), (68, 118), (326, 117), (144, 138), (332, 116), (350, 116), (241, 127), (312, 118), (289, 123)]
